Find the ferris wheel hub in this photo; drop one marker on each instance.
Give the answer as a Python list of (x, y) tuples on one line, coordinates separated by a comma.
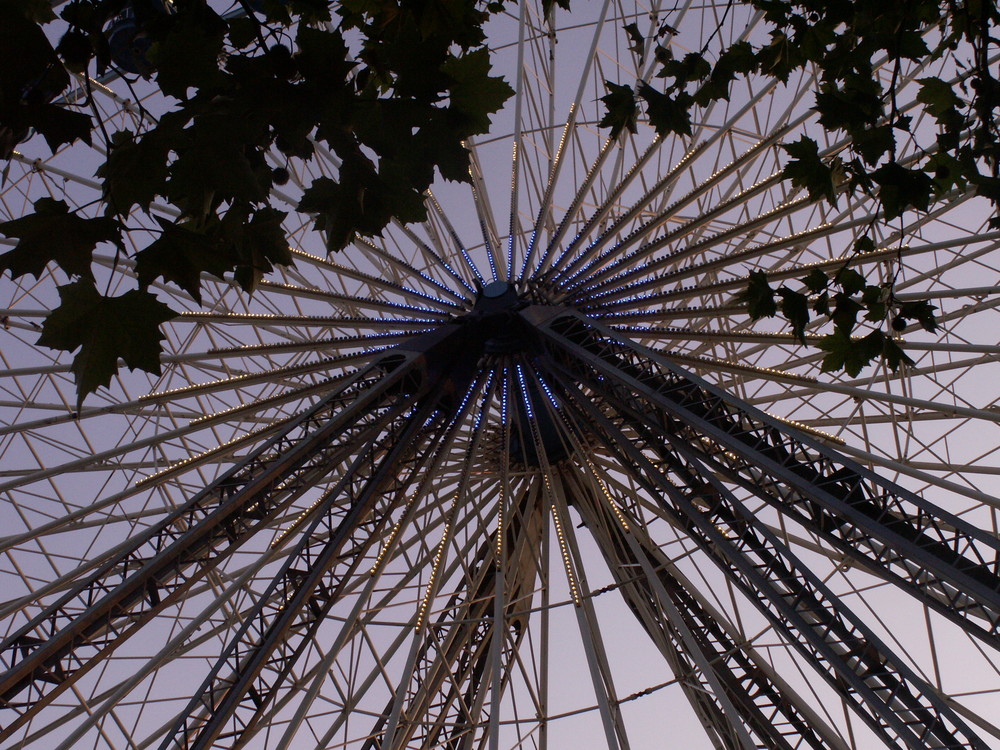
[(496, 297), (495, 321)]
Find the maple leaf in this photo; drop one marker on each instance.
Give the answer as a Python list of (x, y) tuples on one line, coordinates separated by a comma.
[(180, 255), (54, 235), (473, 92), (622, 111), (104, 330)]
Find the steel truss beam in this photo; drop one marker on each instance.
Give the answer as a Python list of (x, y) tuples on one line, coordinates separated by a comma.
[(60, 644), (694, 639), (392, 426), (453, 674), (940, 558), (258, 658), (899, 707), (722, 677), (442, 696)]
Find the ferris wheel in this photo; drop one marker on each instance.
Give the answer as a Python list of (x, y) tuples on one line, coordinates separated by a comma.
[(525, 475)]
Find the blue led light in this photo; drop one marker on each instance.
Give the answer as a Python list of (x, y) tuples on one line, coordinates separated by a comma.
[(524, 390), (548, 391)]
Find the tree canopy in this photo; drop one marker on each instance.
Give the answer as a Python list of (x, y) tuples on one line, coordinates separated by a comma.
[(846, 44), (392, 88)]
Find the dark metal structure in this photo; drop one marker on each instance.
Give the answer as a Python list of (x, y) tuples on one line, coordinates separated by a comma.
[(567, 387), (525, 475)]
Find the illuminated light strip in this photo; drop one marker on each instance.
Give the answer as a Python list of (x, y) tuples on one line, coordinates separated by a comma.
[(659, 219), (221, 447), (356, 321), (677, 311), (474, 183), (498, 544), (564, 549), (250, 377), (478, 420), (593, 469), (573, 209), (807, 429), (277, 399), (384, 549), (524, 390), (332, 342), (300, 518), (731, 365), (454, 235), (601, 281), (465, 399), (323, 295), (394, 261), (548, 392), (747, 335), (513, 185), (435, 567), (686, 228), (297, 521), (727, 260), (452, 510), (671, 211), (711, 445), (375, 280), (628, 215), (504, 461), (550, 493), (607, 495), (545, 204), (429, 251)]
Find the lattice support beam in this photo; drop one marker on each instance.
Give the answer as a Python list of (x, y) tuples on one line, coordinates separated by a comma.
[(257, 659), (895, 703), (256, 662), (45, 656), (690, 635), (155, 568), (945, 561)]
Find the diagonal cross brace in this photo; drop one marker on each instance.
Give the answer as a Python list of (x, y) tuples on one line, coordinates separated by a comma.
[(899, 706), (61, 643), (942, 559)]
